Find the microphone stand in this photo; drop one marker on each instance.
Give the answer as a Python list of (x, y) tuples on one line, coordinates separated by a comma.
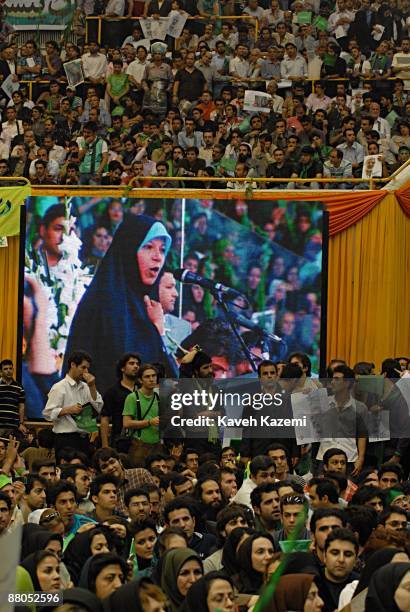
[(231, 320)]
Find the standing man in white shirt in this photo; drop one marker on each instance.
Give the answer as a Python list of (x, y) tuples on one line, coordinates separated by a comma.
[(95, 67), (68, 398), (293, 67)]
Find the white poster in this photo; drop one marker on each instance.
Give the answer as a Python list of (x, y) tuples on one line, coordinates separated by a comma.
[(378, 425), (372, 166), (154, 28), (176, 23), (404, 387), (312, 406), (74, 72), (257, 101), (9, 86)]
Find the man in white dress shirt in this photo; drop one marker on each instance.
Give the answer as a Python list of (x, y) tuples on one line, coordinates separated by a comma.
[(68, 398)]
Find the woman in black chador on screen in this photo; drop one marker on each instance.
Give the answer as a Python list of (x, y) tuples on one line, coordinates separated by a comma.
[(112, 318)]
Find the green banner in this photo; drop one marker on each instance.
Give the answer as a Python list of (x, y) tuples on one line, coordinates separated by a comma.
[(11, 199), (40, 12)]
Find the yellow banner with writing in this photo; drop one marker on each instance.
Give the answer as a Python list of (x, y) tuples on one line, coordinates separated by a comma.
[(11, 200)]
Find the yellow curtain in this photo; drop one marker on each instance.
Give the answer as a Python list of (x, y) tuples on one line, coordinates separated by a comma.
[(368, 291), (369, 287), (9, 273)]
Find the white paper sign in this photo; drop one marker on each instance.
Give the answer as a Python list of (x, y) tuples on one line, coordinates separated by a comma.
[(404, 387), (74, 72), (312, 406), (154, 28), (257, 101), (9, 86), (176, 23), (377, 34), (340, 32), (30, 62), (372, 166), (378, 426)]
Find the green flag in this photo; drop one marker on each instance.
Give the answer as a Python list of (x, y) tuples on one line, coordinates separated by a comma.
[(321, 23), (11, 199)]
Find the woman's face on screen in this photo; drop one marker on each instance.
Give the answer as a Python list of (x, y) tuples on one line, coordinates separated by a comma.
[(150, 260)]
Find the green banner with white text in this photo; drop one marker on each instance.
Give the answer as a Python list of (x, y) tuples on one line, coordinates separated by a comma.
[(40, 13)]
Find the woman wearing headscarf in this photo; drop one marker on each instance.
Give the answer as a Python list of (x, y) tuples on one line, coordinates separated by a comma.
[(133, 595), (112, 316), (181, 568), (214, 591), (229, 553), (376, 561), (254, 555), (389, 589), (103, 574), (83, 598), (44, 570), (85, 545), (37, 538), (296, 592)]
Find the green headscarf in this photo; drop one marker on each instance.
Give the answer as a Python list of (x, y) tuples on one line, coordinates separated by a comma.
[(173, 561)]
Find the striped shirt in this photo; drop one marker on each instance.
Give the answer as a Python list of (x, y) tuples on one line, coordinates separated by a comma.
[(11, 395)]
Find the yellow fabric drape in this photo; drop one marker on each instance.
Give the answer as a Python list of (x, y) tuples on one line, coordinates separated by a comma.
[(368, 290), (9, 277), (369, 287)]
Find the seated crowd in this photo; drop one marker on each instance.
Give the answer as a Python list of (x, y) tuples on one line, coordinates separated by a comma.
[(147, 108), (192, 524)]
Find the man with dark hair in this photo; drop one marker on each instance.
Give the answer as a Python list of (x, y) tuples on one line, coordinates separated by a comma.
[(262, 469), (323, 522), (107, 461), (141, 416), (362, 521), (394, 519), (46, 468), (68, 398), (208, 492), (114, 398), (12, 398), (390, 475), (180, 513), (104, 495), (62, 497), (370, 496), (138, 506), (228, 519), (341, 550), (34, 496), (5, 512), (51, 233), (228, 483), (181, 485), (79, 475), (323, 494), (266, 506), (292, 507), (93, 155), (344, 424)]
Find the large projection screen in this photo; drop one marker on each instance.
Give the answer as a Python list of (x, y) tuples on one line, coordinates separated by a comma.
[(99, 277)]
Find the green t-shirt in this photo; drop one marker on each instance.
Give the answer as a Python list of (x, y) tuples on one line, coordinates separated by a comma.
[(149, 410), (118, 84)]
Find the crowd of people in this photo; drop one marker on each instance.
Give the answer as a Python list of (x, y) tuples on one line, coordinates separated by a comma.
[(121, 516), (337, 77)]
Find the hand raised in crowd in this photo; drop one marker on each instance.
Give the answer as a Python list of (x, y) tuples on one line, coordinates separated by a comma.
[(89, 379)]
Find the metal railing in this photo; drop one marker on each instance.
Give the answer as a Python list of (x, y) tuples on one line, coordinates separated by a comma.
[(230, 79), (102, 18), (247, 181)]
